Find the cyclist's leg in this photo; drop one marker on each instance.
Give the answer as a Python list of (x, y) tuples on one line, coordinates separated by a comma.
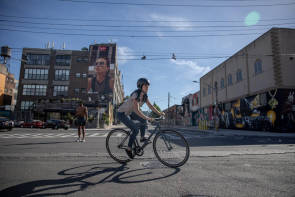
[(143, 123), (131, 125)]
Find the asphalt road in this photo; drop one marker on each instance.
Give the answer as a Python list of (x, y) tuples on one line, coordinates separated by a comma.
[(36, 162)]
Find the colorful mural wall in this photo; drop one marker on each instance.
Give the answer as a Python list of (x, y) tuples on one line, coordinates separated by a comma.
[(271, 110)]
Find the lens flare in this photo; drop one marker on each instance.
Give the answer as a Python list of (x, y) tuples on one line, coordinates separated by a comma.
[(252, 18)]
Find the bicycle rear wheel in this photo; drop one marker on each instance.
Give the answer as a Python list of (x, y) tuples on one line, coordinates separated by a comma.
[(171, 148), (116, 143)]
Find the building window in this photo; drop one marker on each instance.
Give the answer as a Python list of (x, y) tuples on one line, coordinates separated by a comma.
[(38, 59), (258, 66), (25, 105), (78, 75), (204, 91), (83, 90), (239, 75), (221, 83), (36, 74), (63, 60), (209, 90), (34, 90), (82, 59), (76, 90), (84, 75), (229, 80), (62, 75), (60, 91)]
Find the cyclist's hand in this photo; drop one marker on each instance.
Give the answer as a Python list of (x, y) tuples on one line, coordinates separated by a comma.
[(162, 114), (151, 120)]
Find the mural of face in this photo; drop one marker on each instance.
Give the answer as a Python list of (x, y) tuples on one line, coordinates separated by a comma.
[(101, 67)]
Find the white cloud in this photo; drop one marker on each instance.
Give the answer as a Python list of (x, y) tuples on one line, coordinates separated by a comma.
[(190, 69), (125, 53), (189, 89), (174, 25)]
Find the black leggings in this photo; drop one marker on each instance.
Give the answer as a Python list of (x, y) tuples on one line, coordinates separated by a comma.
[(127, 120)]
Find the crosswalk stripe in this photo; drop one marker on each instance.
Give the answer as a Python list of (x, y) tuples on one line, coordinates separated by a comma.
[(65, 135)]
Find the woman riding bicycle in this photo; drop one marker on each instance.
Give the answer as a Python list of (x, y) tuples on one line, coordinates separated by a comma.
[(130, 110)]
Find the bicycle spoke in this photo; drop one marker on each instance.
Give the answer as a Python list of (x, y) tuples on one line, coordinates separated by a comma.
[(171, 148), (116, 143)]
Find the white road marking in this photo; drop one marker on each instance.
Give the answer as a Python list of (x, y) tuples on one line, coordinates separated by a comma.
[(65, 135)]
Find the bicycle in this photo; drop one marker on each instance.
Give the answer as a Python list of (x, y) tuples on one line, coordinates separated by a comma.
[(169, 146)]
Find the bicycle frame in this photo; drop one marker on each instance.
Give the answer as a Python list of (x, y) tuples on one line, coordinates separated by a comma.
[(153, 132)]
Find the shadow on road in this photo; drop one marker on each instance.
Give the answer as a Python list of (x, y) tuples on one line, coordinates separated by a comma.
[(78, 179), (198, 139), (239, 141)]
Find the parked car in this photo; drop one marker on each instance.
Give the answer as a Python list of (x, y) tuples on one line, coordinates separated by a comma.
[(56, 124), (6, 123), (18, 123), (38, 124), (28, 124)]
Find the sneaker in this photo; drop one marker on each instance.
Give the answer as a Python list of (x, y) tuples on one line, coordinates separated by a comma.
[(129, 153), (78, 140), (82, 140)]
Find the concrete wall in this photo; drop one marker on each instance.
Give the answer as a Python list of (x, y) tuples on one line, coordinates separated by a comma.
[(287, 57), (275, 49)]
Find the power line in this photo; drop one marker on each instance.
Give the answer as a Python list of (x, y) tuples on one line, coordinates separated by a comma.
[(139, 21), (176, 5), (124, 30), (130, 36), (136, 26)]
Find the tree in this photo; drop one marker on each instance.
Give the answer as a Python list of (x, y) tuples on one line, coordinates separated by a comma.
[(153, 114), (84, 49)]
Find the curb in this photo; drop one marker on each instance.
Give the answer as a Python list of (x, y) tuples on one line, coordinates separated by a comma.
[(223, 132)]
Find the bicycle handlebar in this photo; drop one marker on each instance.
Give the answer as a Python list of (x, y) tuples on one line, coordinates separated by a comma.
[(160, 118)]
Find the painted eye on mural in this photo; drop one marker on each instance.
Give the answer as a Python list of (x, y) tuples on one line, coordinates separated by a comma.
[(100, 63)]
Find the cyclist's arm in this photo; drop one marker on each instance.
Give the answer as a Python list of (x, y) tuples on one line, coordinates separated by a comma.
[(138, 111), (153, 108)]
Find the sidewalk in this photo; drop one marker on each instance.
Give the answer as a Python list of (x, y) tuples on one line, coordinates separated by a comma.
[(232, 132), (220, 132)]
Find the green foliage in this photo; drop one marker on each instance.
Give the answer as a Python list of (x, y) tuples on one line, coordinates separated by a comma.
[(153, 114), (84, 49), (91, 118), (105, 118), (69, 117)]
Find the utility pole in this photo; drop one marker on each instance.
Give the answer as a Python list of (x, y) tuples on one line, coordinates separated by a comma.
[(168, 100), (216, 109), (168, 110)]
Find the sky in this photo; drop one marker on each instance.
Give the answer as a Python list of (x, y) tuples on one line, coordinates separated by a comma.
[(200, 33)]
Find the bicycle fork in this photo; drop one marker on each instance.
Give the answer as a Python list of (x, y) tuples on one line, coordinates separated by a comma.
[(167, 142)]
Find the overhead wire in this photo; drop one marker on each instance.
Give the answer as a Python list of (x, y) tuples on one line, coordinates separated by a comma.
[(175, 5), (125, 30), (137, 21), (129, 36), (144, 26)]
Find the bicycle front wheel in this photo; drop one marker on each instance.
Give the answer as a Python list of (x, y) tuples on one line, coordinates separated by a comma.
[(116, 144), (171, 148)]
